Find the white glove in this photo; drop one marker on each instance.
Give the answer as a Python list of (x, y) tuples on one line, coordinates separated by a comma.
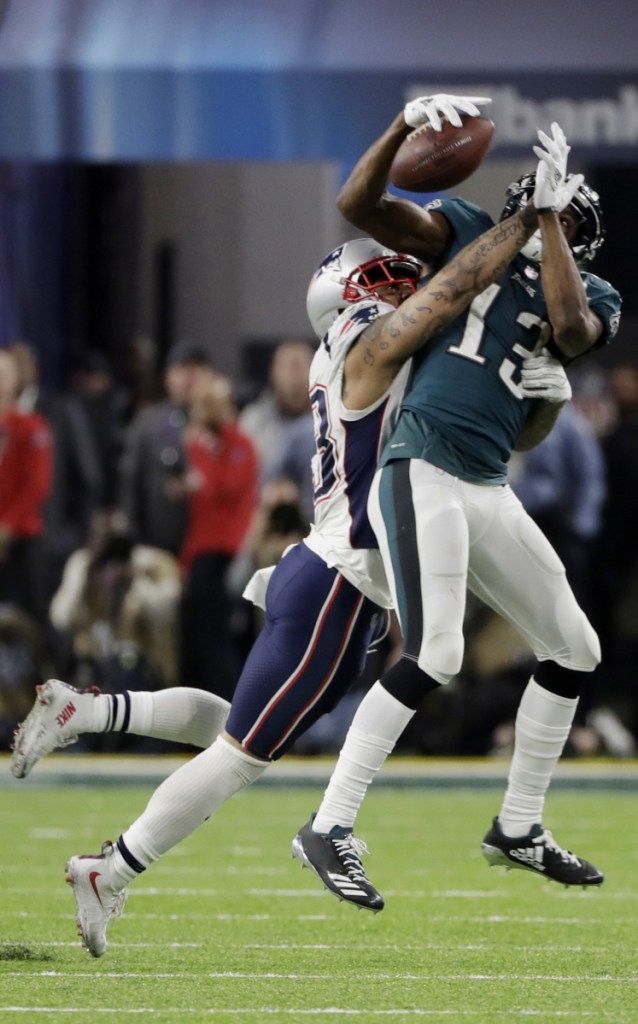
[(551, 192), (556, 149), (544, 377), (554, 190), (429, 108)]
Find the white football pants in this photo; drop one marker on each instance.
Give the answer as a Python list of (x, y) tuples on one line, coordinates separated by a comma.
[(439, 535)]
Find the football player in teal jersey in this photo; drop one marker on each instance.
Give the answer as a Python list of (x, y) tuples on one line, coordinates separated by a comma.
[(446, 519)]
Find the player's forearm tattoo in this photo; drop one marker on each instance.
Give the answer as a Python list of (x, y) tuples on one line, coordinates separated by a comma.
[(472, 271), (406, 318), (468, 274)]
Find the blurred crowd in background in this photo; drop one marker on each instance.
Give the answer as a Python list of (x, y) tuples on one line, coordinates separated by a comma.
[(135, 506)]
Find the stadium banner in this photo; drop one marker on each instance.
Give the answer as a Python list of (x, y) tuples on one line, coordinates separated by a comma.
[(147, 114)]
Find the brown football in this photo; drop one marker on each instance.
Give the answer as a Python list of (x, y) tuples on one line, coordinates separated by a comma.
[(429, 161)]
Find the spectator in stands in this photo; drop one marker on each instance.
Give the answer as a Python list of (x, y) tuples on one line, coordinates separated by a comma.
[(592, 396), (117, 606), (154, 454), (280, 421), (562, 485), (294, 462), (616, 615), (279, 523), (77, 475), (25, 485), (221, 486), (140, 374), (105, 405)]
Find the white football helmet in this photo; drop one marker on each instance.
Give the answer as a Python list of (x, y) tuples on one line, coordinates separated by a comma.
[(352, 272)]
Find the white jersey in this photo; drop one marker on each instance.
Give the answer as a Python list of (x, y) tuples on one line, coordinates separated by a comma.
[(348, 443)]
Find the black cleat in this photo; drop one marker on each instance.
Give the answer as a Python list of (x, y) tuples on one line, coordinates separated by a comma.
[(335, 859), (538, 851)]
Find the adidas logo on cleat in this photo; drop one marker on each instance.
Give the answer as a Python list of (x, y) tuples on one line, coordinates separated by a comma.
[(530, 855), (345, 884)]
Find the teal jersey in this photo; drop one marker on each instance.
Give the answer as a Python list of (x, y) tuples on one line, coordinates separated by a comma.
[(463, 408)]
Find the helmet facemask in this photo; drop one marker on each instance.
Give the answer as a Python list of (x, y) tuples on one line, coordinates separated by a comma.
[(378, 273)]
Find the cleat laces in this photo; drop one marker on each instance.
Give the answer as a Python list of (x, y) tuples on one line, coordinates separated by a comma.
[(350, 851), (548, 841)]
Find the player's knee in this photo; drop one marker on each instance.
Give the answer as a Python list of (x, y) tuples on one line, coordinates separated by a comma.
[(581, 652), (577, 644), (408, 683), (589, 654), (441, 656), (584, 645)]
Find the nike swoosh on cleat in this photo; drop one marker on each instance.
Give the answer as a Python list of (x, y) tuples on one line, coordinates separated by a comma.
[(93, 875)]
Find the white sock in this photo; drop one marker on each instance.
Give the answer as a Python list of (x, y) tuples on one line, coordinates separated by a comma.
[(180, 713), (543, 723), (379, 721), (183, 802)]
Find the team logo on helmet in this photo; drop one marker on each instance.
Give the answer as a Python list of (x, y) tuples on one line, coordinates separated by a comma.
[(331, 262)]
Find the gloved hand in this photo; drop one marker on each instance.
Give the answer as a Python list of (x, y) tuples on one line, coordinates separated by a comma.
[(556, 149), (429, 108), (543, 376), (553, 193), (554, 189)]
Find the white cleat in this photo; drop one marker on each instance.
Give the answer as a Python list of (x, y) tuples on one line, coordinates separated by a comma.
[(51, 723), (96, 900)]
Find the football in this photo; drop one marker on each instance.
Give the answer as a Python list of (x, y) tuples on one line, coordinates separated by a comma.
[(428, 161)]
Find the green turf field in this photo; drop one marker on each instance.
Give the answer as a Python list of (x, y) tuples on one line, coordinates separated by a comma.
[(227, 928)]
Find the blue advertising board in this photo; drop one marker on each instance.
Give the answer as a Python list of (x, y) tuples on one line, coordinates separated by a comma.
[(138, 114)]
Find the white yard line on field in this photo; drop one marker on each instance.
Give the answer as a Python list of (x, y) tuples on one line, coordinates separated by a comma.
[(332, 1011), (380, 975)]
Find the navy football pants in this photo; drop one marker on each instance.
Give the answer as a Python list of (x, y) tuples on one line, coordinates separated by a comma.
[(317, 630)]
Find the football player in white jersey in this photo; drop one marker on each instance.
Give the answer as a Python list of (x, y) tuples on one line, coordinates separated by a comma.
[(325, 599)]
